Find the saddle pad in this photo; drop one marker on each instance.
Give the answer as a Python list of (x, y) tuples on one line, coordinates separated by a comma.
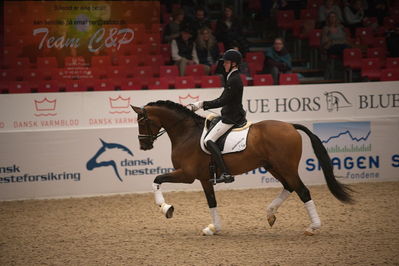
[(235, 141)]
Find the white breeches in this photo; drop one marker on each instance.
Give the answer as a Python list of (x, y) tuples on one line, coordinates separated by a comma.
[(217, 131)]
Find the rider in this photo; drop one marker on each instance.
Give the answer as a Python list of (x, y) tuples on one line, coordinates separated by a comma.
[(232, 110)]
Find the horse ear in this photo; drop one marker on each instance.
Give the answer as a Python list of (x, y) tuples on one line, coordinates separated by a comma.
[(138, 110)]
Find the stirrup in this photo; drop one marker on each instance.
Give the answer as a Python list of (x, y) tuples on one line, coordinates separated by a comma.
[(223, 178)]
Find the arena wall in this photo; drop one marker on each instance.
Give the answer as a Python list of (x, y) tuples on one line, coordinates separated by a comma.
[(48, 139)]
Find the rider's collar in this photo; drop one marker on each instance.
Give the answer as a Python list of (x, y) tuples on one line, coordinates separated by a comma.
[(228, 75)]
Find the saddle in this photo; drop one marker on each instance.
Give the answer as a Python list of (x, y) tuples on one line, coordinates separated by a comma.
[(234, 140)]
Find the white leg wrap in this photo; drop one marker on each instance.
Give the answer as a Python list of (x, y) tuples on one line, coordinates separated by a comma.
[(276, 203), (215, 226), (314, 217), (159, 200), (215, 218)]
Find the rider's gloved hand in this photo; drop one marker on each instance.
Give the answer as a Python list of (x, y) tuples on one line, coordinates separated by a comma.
[(195, 106)]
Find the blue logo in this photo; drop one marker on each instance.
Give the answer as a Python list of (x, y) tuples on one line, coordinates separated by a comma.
[(344, 136), (93, 162)]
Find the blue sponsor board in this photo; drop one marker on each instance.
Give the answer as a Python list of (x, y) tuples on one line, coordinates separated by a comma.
[(121, 160), (344, 136)]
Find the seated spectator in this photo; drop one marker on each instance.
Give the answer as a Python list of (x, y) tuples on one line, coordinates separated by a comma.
[(325, 9), (333, 36), (172, 29), (207, 48), (183, 51), (229, 29), (278, 60), (200, 21), (354, 15)]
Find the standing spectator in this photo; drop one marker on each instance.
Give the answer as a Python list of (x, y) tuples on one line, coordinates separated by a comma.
[(325, 9), (207, 48), (183, 51), (172, 29), (333, 36), (200, 21), (229, 29), (354, 15), (278, 60)]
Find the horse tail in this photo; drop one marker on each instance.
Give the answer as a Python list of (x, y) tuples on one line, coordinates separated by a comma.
[(340, 191)]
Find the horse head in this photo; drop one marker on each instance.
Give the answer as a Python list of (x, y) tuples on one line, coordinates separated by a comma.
[(149, 128)]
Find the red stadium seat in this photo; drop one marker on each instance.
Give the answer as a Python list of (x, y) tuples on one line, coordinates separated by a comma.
[(285, 19), (116, 72), (309, 13), (371, 68), (389, 74), (143, 72), (288, 79), (48, 86), (100, 61), (131, 84), (75, 85), (365, 35), (169, 71), (166, 52), (221, 47), (211, 82), (19, 86), (103, 85), (378, 52), (20, 62), (47, 62), (140, 49), (8, 75), (195, 70), (352, 61), (255, 57), (31, 74), (263, 79), (128, 61), (392, 62), (186, 82), (255, 67), (158, 84)]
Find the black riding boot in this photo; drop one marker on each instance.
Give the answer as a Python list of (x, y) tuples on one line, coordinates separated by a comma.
[(224, 176)]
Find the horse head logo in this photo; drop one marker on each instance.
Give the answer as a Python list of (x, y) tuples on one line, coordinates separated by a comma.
[(336, 100), (93, 163)]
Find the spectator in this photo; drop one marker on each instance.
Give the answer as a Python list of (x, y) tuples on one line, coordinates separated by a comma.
[(200, 21), (333, 36), (378, 9), (229, 29), (207, 48), (183, 51), (278, 60), (172, 29), (325, 9), (354, 15)]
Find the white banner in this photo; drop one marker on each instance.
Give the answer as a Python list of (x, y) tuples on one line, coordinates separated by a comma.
[(41, 156)]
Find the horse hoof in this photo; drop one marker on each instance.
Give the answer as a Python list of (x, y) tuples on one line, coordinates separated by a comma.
[(271, 219), (310, 231), (210, 230), (167, 210)]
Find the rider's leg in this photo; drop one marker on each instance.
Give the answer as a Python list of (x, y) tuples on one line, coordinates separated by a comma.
[(219, 129)]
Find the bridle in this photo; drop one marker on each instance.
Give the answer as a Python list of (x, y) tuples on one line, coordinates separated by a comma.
[(151, 137)]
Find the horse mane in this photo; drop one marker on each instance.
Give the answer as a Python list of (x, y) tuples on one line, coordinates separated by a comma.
[(199, 120)]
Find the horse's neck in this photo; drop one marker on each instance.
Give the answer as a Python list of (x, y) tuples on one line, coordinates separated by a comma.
[(177, 126)]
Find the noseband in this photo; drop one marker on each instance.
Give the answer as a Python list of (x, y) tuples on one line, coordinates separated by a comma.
[(151, 137)]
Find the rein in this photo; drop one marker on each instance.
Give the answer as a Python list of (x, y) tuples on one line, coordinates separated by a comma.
[(151, 137)]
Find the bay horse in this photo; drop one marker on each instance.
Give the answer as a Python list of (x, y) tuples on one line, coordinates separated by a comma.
[(274, 145)]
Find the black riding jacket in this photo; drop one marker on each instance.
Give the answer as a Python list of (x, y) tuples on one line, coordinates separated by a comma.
[(230, 101)]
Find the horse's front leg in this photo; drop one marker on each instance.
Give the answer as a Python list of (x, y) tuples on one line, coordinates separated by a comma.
[(215, 226), (176, 176)]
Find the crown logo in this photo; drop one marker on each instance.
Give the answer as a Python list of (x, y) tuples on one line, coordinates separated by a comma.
[(119, 103), (45, 105), (188, 99)]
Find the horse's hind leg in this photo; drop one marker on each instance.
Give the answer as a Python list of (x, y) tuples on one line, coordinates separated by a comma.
[(304, 194), (271, 210)]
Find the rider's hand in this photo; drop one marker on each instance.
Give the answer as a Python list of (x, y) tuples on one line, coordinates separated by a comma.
[(195, 106)]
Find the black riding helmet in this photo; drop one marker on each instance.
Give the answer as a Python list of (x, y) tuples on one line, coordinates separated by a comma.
[(233, 56)]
